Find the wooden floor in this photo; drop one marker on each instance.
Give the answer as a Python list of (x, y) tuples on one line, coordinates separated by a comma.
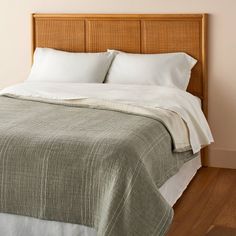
[(208, 206)]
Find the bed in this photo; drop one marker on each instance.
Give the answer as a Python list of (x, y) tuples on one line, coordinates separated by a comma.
[(116, 185)]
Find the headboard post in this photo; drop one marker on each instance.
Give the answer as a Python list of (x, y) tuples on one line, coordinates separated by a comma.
[(205, 151), (205, 63)]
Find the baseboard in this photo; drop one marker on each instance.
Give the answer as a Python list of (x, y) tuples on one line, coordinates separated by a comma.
[(221, 158)]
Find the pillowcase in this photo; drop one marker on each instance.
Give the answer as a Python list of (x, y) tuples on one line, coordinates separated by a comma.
[(169, 69), (58, 66)]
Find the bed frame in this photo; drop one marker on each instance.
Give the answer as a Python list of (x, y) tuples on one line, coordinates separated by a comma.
[(136, 33)]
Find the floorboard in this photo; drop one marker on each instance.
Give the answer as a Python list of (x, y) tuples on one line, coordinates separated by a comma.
[(208, 206)]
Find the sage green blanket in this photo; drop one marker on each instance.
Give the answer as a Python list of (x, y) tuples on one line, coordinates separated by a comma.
[(94, 167)]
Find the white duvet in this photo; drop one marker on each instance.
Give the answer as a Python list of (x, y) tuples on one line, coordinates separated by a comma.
[(184, 104)]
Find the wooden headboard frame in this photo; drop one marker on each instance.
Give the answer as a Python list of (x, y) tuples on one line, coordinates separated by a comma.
[(136, 33)]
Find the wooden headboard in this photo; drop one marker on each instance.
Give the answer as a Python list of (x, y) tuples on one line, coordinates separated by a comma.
[(130, 33), (159, 33)]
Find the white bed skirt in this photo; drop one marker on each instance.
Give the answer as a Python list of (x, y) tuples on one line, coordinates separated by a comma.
[(14, 225)]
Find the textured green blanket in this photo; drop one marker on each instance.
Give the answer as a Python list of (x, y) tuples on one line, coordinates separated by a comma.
[(95, 167)]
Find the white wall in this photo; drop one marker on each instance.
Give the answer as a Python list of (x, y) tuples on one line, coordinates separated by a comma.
[(15, 51)]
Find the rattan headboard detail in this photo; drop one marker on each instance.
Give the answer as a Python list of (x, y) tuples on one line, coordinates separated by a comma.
[(131, 33)]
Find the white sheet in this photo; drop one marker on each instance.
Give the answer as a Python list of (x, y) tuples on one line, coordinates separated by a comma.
[(13, 225), (176, 100)]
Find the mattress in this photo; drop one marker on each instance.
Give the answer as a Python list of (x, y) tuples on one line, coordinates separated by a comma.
[(13, 225)]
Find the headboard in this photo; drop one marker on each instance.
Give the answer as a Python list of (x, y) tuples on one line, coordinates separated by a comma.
[(134, 33)]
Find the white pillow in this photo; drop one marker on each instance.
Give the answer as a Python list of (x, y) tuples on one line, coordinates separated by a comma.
[(169, 69), (58, 66)]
